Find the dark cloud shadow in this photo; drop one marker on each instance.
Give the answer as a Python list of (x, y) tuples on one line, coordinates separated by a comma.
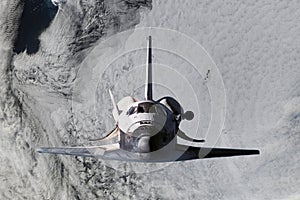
[(36, 17)]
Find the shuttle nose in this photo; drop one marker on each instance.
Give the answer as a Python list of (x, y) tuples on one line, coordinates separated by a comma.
[(143, 144)]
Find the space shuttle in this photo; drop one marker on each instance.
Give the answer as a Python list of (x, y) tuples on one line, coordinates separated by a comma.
[(147, 131)]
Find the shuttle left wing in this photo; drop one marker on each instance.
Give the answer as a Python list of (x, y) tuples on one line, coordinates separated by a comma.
[(91, 151)]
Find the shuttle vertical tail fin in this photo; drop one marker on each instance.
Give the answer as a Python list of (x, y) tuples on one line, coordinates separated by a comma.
[(148, 87)]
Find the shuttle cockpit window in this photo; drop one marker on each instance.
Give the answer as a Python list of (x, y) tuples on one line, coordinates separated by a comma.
[(158, 109), (131, 110), (148, 107), (144, 107)]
